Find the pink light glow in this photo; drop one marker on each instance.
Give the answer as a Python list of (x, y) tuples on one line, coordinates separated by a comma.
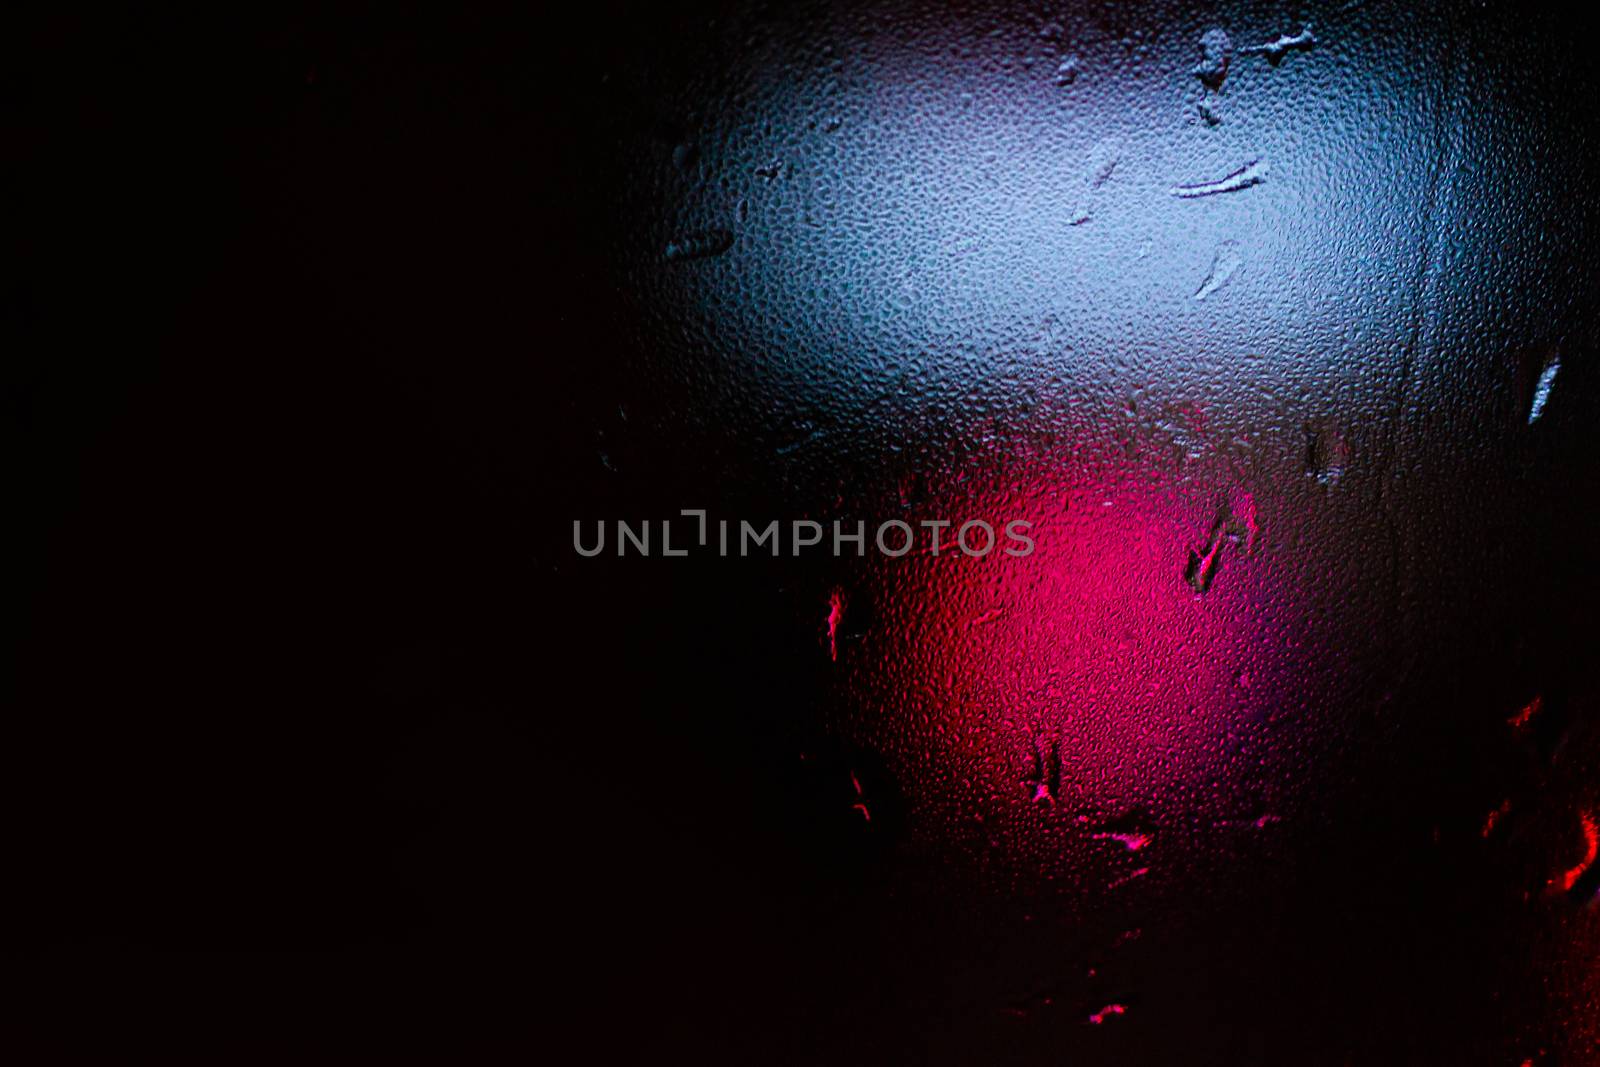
[(835, 616), (1591, 840), (1019, 699)]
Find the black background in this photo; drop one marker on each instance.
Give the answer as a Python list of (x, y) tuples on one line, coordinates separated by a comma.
[(312, 743), (257, 556)]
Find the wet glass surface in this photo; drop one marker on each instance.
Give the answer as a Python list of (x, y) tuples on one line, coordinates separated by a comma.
[(1275, 325), (1264, 321)]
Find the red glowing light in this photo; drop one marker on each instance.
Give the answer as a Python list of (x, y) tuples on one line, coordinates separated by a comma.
[(1087, 678), (1140, 873), (1131, 842), (1106, 1012), (1495, 816), (860, 805), (1591, 838), (1525, 716), (835, 615)]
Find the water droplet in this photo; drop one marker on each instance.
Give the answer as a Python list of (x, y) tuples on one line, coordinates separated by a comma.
[(860, 805), (1305, 40), (1067, 71), (1327, 454), (831, 622), (986, 618), (1216, 53), (1541, 391), (1103, 159), (1229, 528), (1043, 777), (700, 245), (1494, 817), (1525, 715), (1223, 266), (1132, 830), (1120, 882), (1570, 878), (1252, 173), (1133, 842)]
